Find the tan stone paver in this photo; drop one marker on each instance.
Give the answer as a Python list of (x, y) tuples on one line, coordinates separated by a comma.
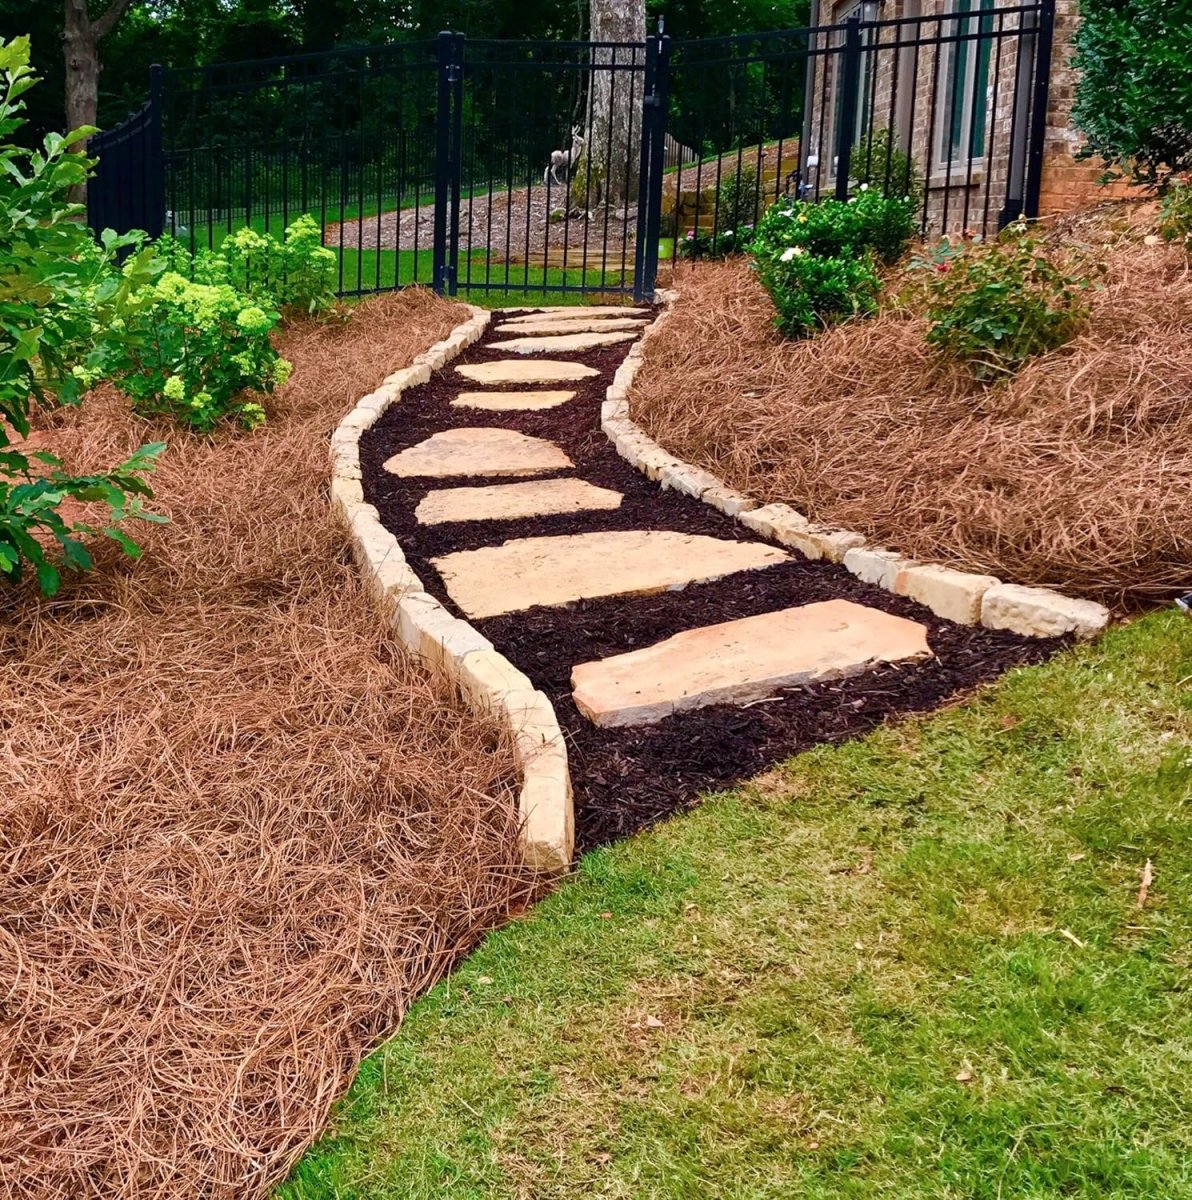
[(511, 401), (513, 370), (563, 343), (739, 661), (575, 312), (477, 451), (557, 570), (509, 501), (562, 324)]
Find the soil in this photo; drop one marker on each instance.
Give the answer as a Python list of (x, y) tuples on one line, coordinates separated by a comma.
[(628, 778)]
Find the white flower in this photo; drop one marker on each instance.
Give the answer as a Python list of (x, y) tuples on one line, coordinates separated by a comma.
[(864, 187), (791, 252)]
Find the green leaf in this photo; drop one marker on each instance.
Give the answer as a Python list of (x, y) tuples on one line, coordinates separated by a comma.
[(123, 541), (48, 577)]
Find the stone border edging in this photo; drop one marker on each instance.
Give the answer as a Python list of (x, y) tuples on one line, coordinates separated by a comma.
[(960, 596), (451, 649)]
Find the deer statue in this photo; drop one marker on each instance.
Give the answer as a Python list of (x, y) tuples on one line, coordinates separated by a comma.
[(565, 160)]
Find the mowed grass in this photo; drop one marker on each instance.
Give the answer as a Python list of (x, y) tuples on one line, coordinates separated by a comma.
[(912, 966)]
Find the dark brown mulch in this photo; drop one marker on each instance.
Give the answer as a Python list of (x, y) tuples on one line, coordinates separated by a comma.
[(626, 779)]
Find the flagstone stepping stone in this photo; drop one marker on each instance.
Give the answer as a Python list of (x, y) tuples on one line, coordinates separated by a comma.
[(740, 661), (512, 370), (477, 451), (564, 325), (575, 312), (563, 343), (524, 572), (511, 401), (509, 501)]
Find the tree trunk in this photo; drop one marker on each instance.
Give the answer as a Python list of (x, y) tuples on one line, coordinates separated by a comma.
[(80, 47), (616, 102)]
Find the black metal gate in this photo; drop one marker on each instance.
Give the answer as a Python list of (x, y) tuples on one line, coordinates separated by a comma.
[(545, 168)]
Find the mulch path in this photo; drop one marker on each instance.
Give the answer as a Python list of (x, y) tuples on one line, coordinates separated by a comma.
[(628, 778)]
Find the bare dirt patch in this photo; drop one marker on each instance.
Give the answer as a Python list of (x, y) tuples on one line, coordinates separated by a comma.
[(1075, 476), (239, 831)]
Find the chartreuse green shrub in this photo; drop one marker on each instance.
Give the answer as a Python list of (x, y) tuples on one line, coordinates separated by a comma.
[(297, 273), (819, 261), (198, 352), (1134, 86), (994, 306), (60, 297)]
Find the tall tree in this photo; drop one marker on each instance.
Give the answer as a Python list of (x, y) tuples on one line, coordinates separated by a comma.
[(616, 105)]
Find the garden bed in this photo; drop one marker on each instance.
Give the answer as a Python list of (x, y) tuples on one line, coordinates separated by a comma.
[(239, 831), (1074, 475)]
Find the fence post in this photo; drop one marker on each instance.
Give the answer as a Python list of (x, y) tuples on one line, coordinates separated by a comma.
[(442, 163), (655, 91), (849, 88), (155, 167), (1038, 143), (455, 75)]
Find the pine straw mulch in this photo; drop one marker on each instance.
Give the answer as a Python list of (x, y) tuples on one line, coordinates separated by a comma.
[(239, 832), (1077, 475)]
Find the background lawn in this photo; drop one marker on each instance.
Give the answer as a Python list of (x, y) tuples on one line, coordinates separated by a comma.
[(912, 966)]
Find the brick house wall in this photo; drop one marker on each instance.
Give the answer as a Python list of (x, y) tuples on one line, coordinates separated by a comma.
[(965, 193)]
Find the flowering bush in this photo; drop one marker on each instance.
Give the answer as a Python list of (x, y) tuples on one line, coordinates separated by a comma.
[(296, 273), (197, 352), (838, 228), (819, 261), (58, 296), (994, 306)]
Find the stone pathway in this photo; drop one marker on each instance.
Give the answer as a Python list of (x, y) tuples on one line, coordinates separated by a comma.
[(673, 644)]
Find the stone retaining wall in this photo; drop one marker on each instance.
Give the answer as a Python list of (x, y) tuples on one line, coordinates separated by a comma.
[(450, 648)]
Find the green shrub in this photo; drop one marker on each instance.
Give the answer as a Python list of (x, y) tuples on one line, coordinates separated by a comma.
[(993, 307), (819, 261), (198, 352), (810, 291), (878, 162), (1175, 221), (297, 273), (1134, 88), (59, 296), (839, 229)]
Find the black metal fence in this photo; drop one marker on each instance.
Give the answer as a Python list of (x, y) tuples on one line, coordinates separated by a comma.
[(553, 167)]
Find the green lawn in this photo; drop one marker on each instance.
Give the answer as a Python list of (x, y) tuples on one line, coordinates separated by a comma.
[(912, 966)]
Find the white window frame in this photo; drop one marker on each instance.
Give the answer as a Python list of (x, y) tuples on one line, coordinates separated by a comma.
[(945, 160)]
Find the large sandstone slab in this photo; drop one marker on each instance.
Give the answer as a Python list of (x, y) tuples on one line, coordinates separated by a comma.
[(564, 324), (574, 312), (477, 451), (511, 401), (558, 570), (513, 370), (563, 343), (510, 501), (740, 661)]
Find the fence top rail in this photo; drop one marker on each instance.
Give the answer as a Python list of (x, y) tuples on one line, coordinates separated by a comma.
[(996, 10)]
